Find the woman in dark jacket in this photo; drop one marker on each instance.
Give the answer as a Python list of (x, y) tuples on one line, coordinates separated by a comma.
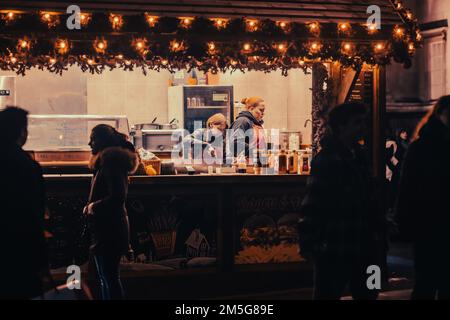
[(247, 132), (113, 159), (423, 207)]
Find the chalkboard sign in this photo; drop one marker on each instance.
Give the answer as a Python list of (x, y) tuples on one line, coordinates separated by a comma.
[(363, 88)]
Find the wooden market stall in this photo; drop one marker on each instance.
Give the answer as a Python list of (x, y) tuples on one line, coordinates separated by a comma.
[(237, 231)]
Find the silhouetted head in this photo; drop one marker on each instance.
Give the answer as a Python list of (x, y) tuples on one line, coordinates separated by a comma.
[(104, 136), (348, 121), (13, 126), (442, 110), (403, 135)]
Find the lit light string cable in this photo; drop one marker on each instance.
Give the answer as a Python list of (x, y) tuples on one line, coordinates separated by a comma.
[(151, 42)]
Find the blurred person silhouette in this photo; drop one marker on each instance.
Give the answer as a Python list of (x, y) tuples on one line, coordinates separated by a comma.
[(341, 230), (22, 242), (423, 209)]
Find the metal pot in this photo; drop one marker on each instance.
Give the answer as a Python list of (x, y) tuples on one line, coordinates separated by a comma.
[(172, 125), (148, 126)]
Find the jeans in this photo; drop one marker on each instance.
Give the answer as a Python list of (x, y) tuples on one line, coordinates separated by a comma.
[(107, 267)]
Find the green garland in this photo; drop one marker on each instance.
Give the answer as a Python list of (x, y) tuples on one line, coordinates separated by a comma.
[(236, 46)]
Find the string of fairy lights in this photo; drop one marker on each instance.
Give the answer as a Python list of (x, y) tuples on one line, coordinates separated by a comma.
[(151, 42)]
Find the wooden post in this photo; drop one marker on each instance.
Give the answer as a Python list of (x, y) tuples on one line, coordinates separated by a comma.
[(378, 126)]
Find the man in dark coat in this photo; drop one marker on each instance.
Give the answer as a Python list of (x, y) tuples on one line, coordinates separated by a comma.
[(423, 207), (22, 242), (340, 226)]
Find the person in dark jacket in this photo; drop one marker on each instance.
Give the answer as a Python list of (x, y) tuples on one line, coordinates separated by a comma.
[(113, 159), (423, 208), (22, 242), (247, 132), (402, 145), (340, 228)]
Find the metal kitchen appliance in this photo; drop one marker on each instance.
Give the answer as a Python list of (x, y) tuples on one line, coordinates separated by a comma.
[(191, 104), (158, 141)]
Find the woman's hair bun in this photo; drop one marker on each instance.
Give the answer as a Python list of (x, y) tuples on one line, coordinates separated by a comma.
[(244, 101)]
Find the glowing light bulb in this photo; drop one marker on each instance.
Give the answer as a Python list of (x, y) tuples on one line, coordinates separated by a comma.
[(139, 45), (313, 26), (246, 46), (212, 46), (10, 15), (90, 61), (347, 46), (281, 47), (116, 19), (52, 60), (344, 26), (23, 44), (379, 46), (101, 45), (164, 62), (120, 56), (373, 27), (283, 24), (47, 16), (62, 44), (399, 32), (13, 60)]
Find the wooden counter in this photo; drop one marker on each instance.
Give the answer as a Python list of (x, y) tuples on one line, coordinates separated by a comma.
[(202, 226)]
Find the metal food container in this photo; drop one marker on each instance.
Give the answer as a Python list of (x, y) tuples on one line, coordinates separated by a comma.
[(160, 140)]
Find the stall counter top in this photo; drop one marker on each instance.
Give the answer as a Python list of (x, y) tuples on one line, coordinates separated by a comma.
[(197, 179)]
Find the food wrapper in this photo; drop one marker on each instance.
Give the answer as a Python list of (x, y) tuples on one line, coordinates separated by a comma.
[(146, 155)]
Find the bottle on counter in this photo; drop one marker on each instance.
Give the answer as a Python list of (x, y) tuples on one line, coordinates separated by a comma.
[(304, 165), (293, 162), (192, 80), (282, 162), (259, 163), (241, 165), (275, 161)]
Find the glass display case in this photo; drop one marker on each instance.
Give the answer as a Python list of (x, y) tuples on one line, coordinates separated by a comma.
[(62, 140)]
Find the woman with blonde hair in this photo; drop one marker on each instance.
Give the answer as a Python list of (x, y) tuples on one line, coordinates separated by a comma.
[(248, 131), (210, 139)]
